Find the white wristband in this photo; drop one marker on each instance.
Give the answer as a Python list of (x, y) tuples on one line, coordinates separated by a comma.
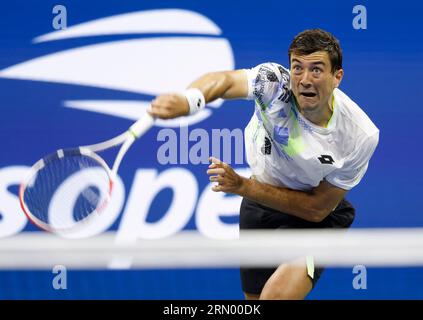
[(195, 99)]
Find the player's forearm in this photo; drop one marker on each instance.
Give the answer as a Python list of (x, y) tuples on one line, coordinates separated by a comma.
[(212, 85), (225, 84), (304, 205)]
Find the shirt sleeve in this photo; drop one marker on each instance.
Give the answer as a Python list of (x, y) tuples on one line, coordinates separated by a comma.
[(355, 166), (267, 82)]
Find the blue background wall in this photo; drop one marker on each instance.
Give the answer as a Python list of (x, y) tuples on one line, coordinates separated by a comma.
[(383, 68)]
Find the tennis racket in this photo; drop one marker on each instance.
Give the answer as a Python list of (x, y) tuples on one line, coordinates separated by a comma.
[(66, 189)]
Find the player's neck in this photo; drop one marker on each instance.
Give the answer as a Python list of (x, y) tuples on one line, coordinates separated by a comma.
[(319, 116)]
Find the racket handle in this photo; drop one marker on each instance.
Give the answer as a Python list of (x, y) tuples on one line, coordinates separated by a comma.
[(142, 125)]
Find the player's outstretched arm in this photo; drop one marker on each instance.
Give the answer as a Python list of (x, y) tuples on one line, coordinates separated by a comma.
[(225, 84)]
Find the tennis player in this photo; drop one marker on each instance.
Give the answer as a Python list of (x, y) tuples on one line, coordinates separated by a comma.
[(307, 144)]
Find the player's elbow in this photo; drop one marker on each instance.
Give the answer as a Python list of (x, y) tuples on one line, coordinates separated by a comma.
[(318, 214), (319, 208), (321, 214)]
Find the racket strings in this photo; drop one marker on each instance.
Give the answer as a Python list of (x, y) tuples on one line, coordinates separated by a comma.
[(66, 190)]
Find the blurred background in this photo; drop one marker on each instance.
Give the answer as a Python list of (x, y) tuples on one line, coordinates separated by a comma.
[(88, 82)]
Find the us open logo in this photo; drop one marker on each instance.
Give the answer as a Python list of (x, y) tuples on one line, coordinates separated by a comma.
[(135, 53), (148, 66)]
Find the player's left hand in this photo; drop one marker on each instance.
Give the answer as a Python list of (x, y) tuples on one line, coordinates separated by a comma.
[(222, 173)]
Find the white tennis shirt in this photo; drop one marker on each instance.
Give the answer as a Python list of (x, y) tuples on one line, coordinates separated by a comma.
[(283, 148)]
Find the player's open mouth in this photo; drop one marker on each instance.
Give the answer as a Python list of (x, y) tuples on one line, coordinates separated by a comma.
[(308, 94)]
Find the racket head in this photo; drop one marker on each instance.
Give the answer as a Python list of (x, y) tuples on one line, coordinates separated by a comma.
[(66, 189)]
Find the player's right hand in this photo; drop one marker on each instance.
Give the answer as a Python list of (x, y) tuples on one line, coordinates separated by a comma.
[(169, 106)]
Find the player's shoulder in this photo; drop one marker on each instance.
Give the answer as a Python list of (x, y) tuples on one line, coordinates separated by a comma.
[(271, 71), (359, 123), (267, 83)]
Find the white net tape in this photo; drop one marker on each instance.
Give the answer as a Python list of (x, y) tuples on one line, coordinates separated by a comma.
[(371, 247)]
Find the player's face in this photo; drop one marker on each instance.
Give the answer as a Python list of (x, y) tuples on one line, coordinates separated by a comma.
[(312, 81)]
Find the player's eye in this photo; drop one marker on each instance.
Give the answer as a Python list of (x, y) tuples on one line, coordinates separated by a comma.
[(317, 70), (297, 68)]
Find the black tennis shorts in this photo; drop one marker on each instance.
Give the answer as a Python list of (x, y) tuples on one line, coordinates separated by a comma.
[(256, 216)]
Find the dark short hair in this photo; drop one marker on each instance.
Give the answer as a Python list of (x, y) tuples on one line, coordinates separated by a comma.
[(314, 40)]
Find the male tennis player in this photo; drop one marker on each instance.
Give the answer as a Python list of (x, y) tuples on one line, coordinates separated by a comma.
[(307, 144)]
